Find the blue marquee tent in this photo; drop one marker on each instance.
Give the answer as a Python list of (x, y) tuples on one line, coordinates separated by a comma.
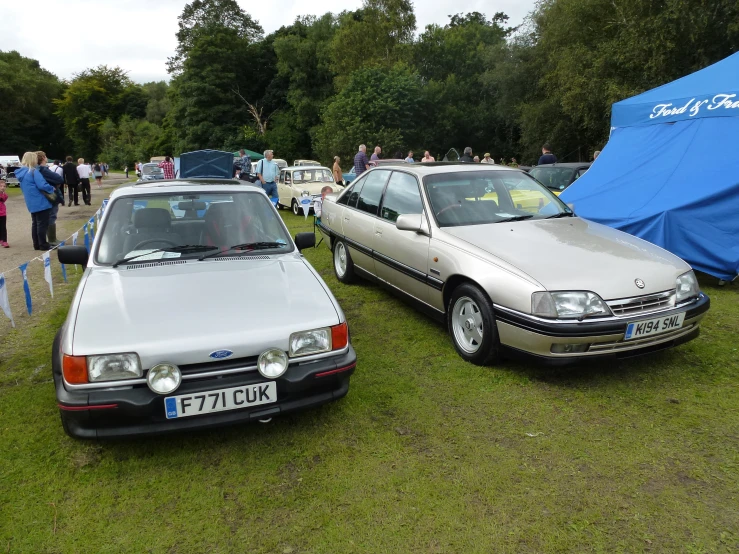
[(670, 171)]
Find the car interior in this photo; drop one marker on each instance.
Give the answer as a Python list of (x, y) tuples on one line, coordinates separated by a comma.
[(153, 222)]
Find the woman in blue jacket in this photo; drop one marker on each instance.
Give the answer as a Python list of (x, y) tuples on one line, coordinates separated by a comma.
[(32, 183)]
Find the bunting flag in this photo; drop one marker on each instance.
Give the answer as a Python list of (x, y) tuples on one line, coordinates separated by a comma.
[(105, 204), (87, 237), (305, 202), (26, 288), (47, 271), (4, 302), (64, 269), (74, 243), (91, 224)]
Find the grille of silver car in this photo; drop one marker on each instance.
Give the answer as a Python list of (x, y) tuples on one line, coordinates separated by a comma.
[(155, 264), (219, 365), (625, 307)]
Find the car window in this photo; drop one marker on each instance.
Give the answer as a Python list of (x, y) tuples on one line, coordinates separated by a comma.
[(313, 176), (481, 197), (369, 197), (288, 177), (141, 224), (581, 172), (554, 178), (401, 197)]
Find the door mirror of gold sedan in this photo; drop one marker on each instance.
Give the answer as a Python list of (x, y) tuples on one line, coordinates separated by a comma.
[(411, 222)]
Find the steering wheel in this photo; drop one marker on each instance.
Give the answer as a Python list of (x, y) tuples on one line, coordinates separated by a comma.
[(147, 241), (449, 207)]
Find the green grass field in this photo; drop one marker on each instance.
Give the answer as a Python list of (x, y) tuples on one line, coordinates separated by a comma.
[(425, 454)]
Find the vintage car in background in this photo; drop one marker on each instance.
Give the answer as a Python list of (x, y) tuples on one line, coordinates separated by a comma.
[(557, 177), (143, 352), (351, 174), (301, 163), (295, 183), (151, 172), (509, 267)]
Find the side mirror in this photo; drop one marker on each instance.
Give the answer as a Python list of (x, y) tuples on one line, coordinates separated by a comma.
[(305, 240), (410, 222), (73, 255)]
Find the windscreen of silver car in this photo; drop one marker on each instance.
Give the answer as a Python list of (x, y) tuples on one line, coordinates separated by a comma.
[(245, 248), (141, 224)]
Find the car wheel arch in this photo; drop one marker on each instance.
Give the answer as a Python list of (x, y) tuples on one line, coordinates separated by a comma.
[(455, 281)]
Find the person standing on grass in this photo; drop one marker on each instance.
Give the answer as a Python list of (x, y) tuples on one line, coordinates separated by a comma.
[(338, 174), (409, 158), (376, 155), (72, 179), (467, 156), (546, 155), (83, 171), (267, 171), (126, 170), (32, 185), (3, 216), (167, 167), (56, 181), (97, 171), (427, 157), (361, 163)]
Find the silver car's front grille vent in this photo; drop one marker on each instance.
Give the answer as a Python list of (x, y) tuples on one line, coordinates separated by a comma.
[(156, 264), (233, 258), (625, 307)]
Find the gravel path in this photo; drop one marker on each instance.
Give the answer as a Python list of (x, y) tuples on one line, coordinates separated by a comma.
[(69, 220)]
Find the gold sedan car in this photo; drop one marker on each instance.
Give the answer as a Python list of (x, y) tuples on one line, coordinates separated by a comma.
[(509, 267)]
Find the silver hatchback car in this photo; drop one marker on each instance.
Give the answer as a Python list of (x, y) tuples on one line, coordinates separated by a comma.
[(508, 266), (196, 309)]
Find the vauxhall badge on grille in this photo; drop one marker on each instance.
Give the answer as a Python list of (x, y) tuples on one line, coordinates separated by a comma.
[(639, 283)]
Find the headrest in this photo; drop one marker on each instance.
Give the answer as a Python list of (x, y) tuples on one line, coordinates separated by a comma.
[(191, 205), (151, 217), (221, 210)]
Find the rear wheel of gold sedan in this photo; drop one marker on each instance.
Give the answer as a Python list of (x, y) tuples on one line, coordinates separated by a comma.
[(472, 325), (343, 265)]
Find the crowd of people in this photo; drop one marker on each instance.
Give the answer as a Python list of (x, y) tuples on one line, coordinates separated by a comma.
[(43, 187)]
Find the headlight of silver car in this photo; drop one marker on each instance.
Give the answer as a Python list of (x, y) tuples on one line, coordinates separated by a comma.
[(114, 367), (687, 287), (310, 342), (568, 305)]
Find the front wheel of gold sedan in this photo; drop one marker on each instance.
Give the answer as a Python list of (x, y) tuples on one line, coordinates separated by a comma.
[(472, 325)]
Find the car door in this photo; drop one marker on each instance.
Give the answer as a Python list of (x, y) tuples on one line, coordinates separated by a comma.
[(283, 188), (358, 219), (401, 257)]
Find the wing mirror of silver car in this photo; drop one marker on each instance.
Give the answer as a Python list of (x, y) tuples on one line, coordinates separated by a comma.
[(305, 240), (412, 222), (73, 255)]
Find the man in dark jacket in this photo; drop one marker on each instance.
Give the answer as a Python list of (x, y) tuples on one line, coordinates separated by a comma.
[(546, 155), (72, 179), (55, 181), (467, 157)]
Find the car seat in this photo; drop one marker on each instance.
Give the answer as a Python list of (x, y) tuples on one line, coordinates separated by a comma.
[(224, 227), (151, 224)]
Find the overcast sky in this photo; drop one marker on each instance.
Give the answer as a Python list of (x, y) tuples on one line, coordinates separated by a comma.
[(139, 35)]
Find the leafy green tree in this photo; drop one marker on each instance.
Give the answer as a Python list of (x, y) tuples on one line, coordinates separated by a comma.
[(27, 110), (378, 34), (202, 17), (157, 101), (130, 141), (377, 106), (92, 97)]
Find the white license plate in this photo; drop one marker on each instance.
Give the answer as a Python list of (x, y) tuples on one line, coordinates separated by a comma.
[(655, 326), (235, 398)]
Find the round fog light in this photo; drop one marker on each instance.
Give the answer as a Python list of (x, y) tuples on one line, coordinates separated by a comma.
[(164, 378), (272, 363)]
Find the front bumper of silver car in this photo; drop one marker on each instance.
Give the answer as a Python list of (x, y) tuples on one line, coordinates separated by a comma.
[(560, 342)]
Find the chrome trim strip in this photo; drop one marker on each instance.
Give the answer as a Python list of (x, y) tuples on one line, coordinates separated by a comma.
[(617, 346), (557, 321), (618, 301)]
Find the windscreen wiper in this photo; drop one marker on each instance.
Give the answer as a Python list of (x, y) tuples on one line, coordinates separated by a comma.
[(181, 249), (247, 247), (561, 214), (516, 218)]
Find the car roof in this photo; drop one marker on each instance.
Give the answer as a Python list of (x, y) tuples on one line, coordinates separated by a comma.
[(185, 186), (565, 164), (303, 168), (429, 168)]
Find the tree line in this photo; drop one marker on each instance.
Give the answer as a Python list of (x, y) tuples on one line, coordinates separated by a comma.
[(324, 84)]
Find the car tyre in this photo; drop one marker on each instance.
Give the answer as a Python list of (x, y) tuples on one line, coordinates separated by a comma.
[(343, 264), (296, 207), (471, 324)]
